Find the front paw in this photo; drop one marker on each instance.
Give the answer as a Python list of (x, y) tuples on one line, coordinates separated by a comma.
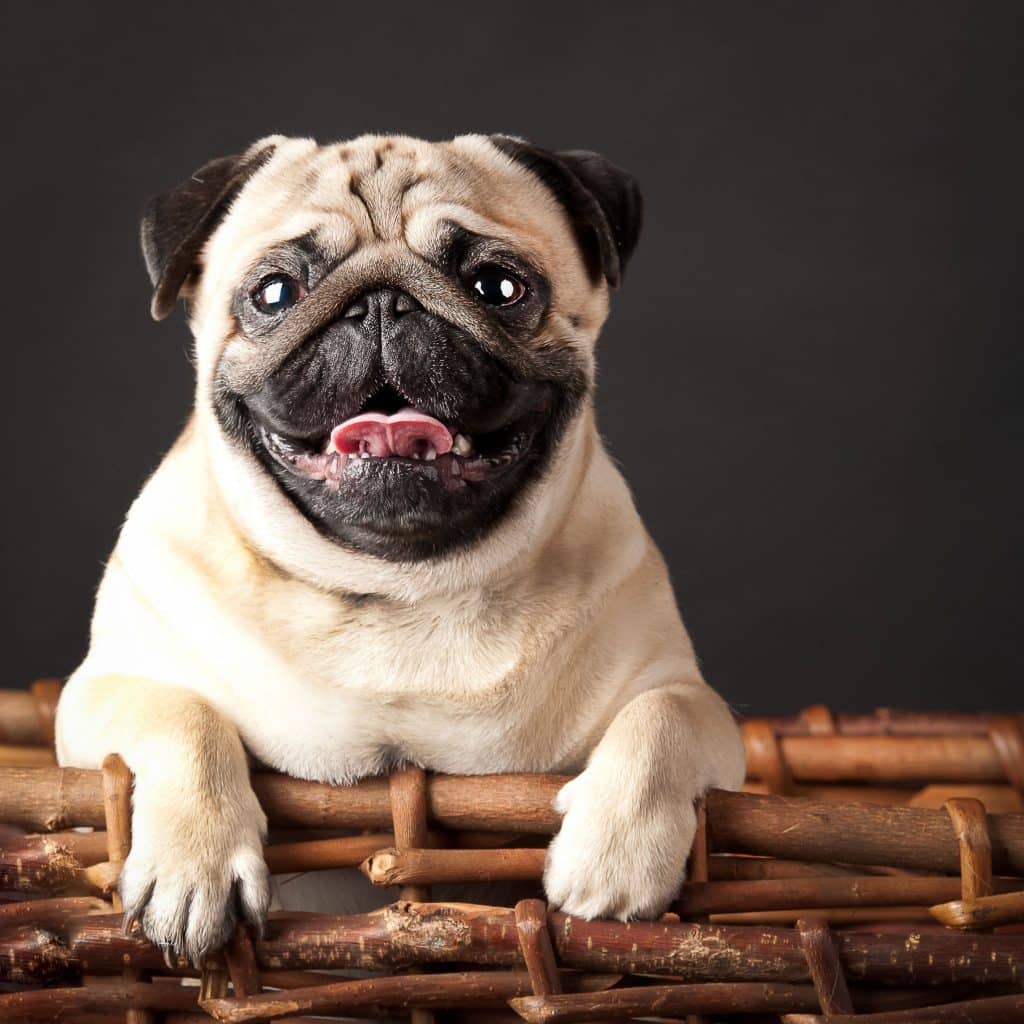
[(196, 866), (618, 854)]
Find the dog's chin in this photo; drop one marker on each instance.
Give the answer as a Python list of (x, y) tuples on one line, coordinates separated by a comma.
[(415, 507)]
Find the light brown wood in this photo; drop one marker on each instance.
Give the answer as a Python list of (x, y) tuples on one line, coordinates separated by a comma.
[(795, 893), (994, 1010), (475, 994), (419, 867), (407, 789), (20, 724), (324, 854), (823, 964), (970, 825), (117, 809), (670, 1001), (68, 1004), (51, 913), (535, 944), (46, 694), (465, 988), (48, 864), (727, 867), (875, 758), (984, 912), (463, 933), (737, 823), (667, 1001), (905, 837), (21, 755), (766, 759), (832, 915), (894, 722), (240, 959)]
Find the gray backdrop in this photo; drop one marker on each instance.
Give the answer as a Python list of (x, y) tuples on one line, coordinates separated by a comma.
[(811, 376)]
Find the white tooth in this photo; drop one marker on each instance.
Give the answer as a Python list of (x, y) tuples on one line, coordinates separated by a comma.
[(364, 455), (416, 456), (430, 454), (353, 455), (462, 445)]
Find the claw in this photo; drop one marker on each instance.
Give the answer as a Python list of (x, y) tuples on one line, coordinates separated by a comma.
[(169, 957)]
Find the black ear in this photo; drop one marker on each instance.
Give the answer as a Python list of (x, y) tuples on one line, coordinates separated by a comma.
[(603, 201), (176, 224)]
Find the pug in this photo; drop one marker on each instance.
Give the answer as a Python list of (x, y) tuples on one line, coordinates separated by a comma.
[(389, 533)]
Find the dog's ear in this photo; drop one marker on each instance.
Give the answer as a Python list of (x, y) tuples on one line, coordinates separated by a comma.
[(603, 201), (176, 224)]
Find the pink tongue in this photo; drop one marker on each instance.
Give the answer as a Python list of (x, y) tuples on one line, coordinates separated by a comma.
[(406, 433)]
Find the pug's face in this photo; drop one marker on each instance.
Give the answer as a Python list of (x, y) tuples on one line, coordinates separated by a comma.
[(397, 332)]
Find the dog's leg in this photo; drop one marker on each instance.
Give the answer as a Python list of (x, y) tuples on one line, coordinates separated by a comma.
[(196, 859), (629, 817)]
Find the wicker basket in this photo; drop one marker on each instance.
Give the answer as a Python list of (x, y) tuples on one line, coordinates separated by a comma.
[(800, 904)]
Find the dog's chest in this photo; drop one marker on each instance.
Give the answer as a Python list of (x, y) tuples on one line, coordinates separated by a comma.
[(338, 693)]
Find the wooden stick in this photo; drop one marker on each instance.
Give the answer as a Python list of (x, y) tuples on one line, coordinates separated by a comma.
[(33, 956), (22, 755), (984, 912), (23, 716), (906, 837), (970, 825), (74, 862), (880, 759), (535, 944), (407, 790), (462, 933), (993, 1010), (48, 799), (59, 1004), (823, 963), (117, 809), (48, 864), (240, 959), (436, 867), (46, 694), (296, 979), (49, 913), (479, 989), (726, 867), (887, 722), (1002, 798), (789, 894), (466, 990), (324, 854), (667, 1001), (916, 838), (832, 915)]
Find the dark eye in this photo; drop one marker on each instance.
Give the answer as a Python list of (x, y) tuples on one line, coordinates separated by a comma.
[(496, 286), (276, 294)]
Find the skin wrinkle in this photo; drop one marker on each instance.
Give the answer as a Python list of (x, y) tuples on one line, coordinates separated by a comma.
[(384, 265)]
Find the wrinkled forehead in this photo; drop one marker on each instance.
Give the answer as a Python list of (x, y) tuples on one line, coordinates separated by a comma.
[(394, 189)]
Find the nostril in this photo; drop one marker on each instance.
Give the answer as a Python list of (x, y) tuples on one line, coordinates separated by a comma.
[(388, 302), (405, 304), (356, 310)]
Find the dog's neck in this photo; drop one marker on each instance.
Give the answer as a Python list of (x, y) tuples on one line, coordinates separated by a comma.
[(547, 518)]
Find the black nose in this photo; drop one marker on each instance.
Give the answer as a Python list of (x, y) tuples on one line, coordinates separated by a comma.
[(381, 308)]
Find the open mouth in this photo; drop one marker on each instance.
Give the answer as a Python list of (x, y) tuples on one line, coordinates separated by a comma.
[(388, 431)]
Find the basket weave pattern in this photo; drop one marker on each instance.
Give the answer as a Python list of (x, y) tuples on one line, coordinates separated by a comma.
[(873, 871)]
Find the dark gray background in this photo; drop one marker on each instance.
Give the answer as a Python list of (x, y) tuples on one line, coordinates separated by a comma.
[(811, 376)]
